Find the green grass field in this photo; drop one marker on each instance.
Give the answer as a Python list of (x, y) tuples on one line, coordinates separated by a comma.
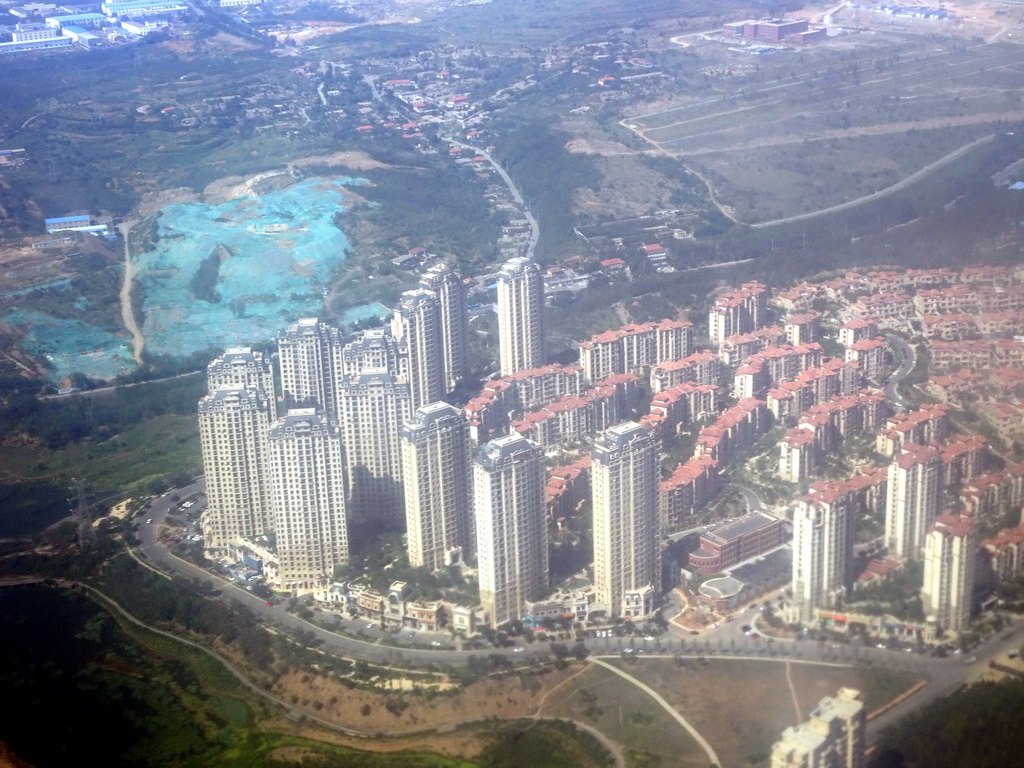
[(161, 447)]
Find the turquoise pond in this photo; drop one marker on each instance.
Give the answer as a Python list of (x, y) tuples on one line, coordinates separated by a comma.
[(276, 254)]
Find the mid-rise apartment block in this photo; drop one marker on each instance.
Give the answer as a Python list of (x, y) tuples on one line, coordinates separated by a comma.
[(823, 538), (633, 346), (451, 294), (233, 424), (950, 559), (241, 368), (833, 737), (738, 312), (304, 360), (914, 499), (372, 407), (416, 326)]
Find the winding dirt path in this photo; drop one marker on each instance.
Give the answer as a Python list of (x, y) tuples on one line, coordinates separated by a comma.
[(792, 694), (120, 613), (127, 312), (701, 741)]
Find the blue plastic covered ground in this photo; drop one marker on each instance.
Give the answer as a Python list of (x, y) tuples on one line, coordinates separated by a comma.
[(275, 256)]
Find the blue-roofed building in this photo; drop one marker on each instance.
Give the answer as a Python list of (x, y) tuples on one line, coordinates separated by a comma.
[(67, 222), (141, 7), (35, 45), (88, 20), (77, 223)]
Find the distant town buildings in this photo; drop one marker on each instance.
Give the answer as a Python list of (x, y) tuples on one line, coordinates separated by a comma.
[(774, 30), (360, 416)]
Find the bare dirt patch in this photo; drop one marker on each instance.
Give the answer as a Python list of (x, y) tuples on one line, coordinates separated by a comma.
[(219, 43), (395, 711), (234, 187), (598, 147), (152, 202), (465, 742), (357, 160)]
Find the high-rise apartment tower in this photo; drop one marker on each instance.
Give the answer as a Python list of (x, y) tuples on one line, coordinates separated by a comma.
[(624, 482), (511, 532), (438, 486), (521, 341), (308, 484)]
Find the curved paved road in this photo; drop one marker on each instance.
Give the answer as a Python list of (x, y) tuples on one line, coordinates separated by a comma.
[(898, 186), (534, 227), (909, 354), (727, 641)]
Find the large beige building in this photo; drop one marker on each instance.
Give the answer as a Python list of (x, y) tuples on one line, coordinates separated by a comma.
[(833, 737), (371, 408), (307, 480), (950, 552), (416, 326), (823, 538), (511, 530), (624, 483), (304, 361), (233, 424), (914, 498), (438, 487), (239, 368), (372, 350), (451, 293), (521, 339)]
